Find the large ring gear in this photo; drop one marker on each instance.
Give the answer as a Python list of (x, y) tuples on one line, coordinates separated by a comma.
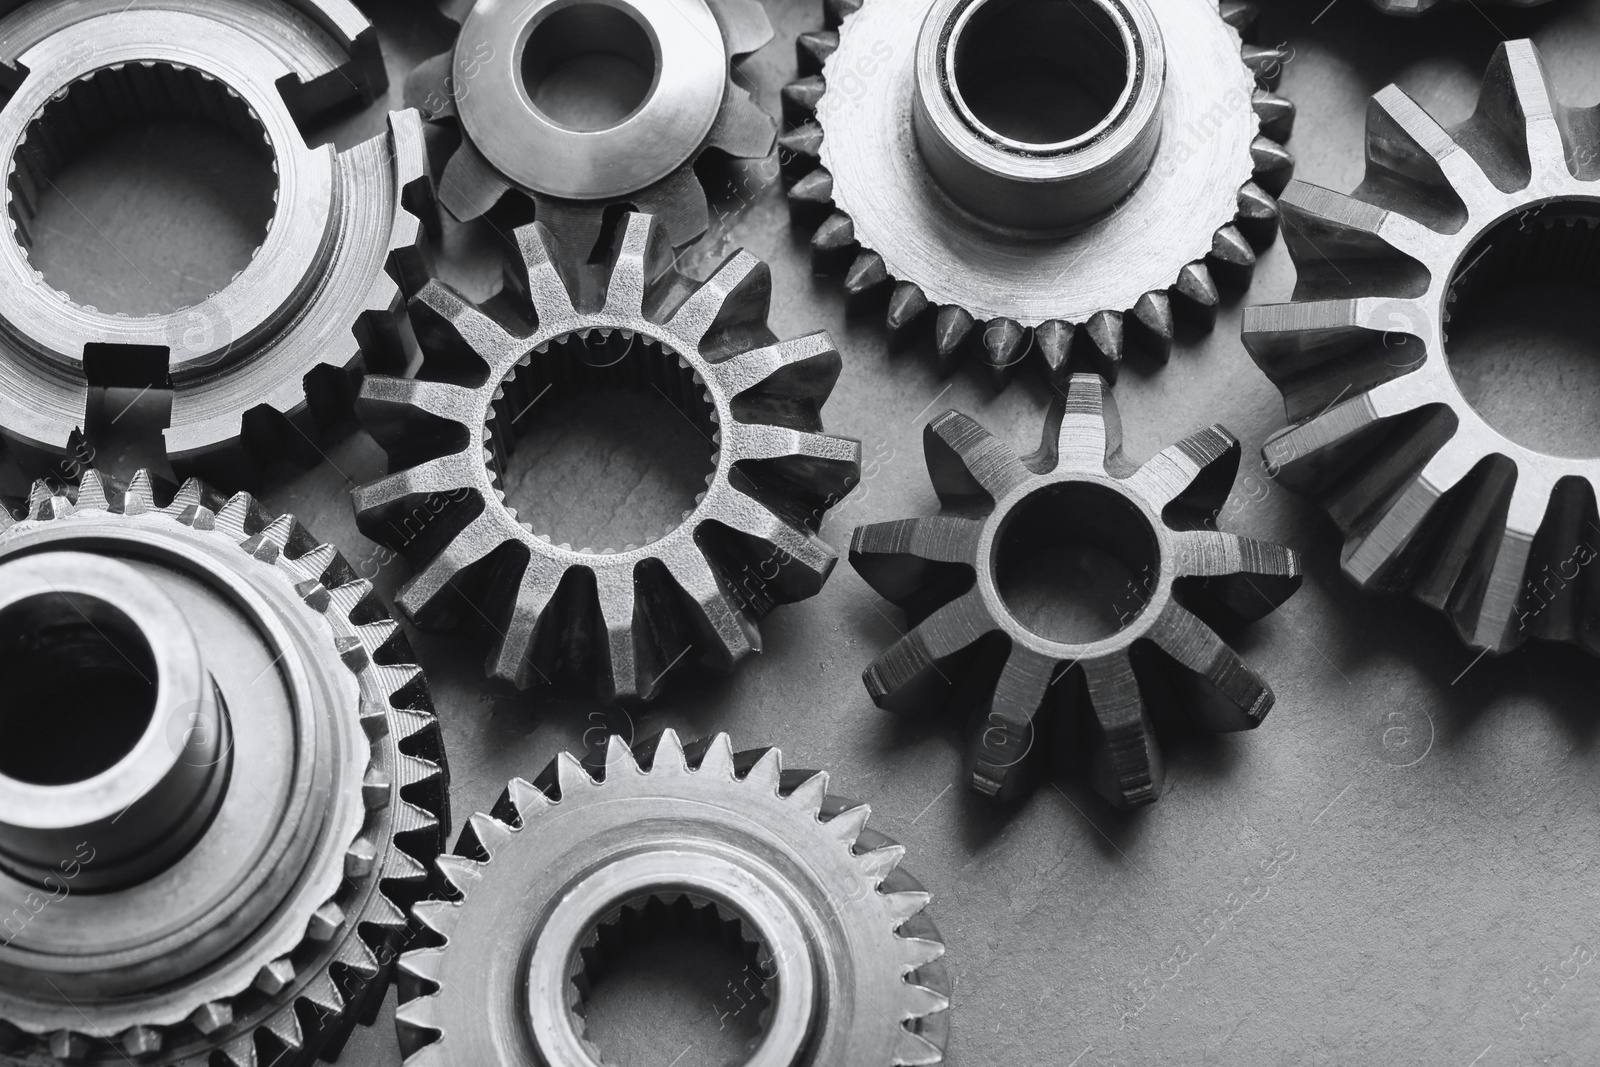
[(220, 781)]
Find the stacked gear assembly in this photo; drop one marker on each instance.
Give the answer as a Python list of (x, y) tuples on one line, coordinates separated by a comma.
[(614, 619), (1433, 500), (258, 370), (220, 783), (921, 149), (509, 57), (1092, 697), (840, 929)]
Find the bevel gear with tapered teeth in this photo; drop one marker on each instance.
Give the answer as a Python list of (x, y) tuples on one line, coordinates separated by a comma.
[(1433, 500), (1093, 698), (1422, 7), (616, 619), (851, 959), (259, 370), (1075, 248), (644, 159), (275, 932)]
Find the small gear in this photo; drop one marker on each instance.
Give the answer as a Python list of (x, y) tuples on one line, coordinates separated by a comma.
[(1089, 695), (575, 166), (267, 784), (1433, 500), (841, 930), (1078, 232), (259, 368), (618, 619)]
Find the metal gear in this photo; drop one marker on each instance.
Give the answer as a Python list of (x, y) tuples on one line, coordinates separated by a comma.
[(1432, 500), (258, 368), (1091, 697), (644, 159), (220, 781), (844, 938), (618, 619), (1077, 240)]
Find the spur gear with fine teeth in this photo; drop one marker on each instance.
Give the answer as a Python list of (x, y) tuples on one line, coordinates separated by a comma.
[(1010, 226), (220, 783), (1432, 500), (574, 166), (260, 369), (616, 618), (1091, 690), (841, 933)]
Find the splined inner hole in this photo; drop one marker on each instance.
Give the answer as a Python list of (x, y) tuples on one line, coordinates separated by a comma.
[(671, 975), (143, 189), (80, 688), (1041, 72), (612, 441), (1076, 562), (1522, 328), (588, 66)]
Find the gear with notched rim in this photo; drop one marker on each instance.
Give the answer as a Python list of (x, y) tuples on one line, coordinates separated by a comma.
[(616, 619), (1033, 698), (276, 931), (853, 956)]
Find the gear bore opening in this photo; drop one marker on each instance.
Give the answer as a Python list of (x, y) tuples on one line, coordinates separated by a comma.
[(1520, 322), (82, 690), (162, 172), (642, 978), (613, 441), (1041, 73), (590, 65), (1076, 562)]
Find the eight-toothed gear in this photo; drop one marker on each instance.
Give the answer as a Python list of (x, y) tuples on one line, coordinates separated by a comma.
[(574, 167), (1422, 7), (232, 890), (1432, 499), (843, 935), (618, 619), (1079, 239), (1088, 695), (259, 368)]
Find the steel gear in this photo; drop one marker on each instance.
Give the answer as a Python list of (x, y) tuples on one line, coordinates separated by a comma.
[(841, 927), (618, 619), (644, 159), (1091, 698), (220, 780), (256, 369), (1432, 500), (1077, 240)]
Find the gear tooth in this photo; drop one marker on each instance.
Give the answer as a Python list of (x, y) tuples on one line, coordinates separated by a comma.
[(800, 98), (906, 305), (836, 236), (1005, 344), (813, 48), (1240, 14), (284, 1024), (1195, 295), (570, 774), (619, 758), (44, 504), (848, 824), (139, 1041), (1150, 327), (866, 272), (952, 328), (191, 495), (904, 905), (836, 11), (489, 833), (526, 798), (800, 149), (1265, 61), (1257, 216), (69, 1046), (1276, 114), (811, 792), (418, 972), (356, 955), (92, 493), (460, 872), (240, 1051), (815, 188), (767, 772), (918, 952), (1232, 260), (326, 922), (275, 977), (212, 1016), (439, 916), (1104, 333), (669, 757), (876, 863), (1054, 338), (238, 515), (323, 995), (418, 1032), (717, 763), (1274, 164)]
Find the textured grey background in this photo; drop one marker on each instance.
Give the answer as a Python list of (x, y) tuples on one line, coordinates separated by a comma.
[(1398, 867)]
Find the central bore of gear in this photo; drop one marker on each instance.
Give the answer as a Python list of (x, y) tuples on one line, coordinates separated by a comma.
[(81, 690), (612, 441), (1076, 562), (590, 65), (646, 976), (143, 188), (1521, 322)]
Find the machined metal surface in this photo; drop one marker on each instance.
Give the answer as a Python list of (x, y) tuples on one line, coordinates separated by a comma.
[(221, 779), (851, 957), (259, 368), (1422, 7), (1007, 231), (575, 166), (614, 618), (1041, 696), (1431, 498)]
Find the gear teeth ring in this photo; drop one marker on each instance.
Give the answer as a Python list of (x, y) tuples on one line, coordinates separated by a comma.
[(565, 853), (856, 175), (1035, 699), (617, 620), (1432, 500)]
